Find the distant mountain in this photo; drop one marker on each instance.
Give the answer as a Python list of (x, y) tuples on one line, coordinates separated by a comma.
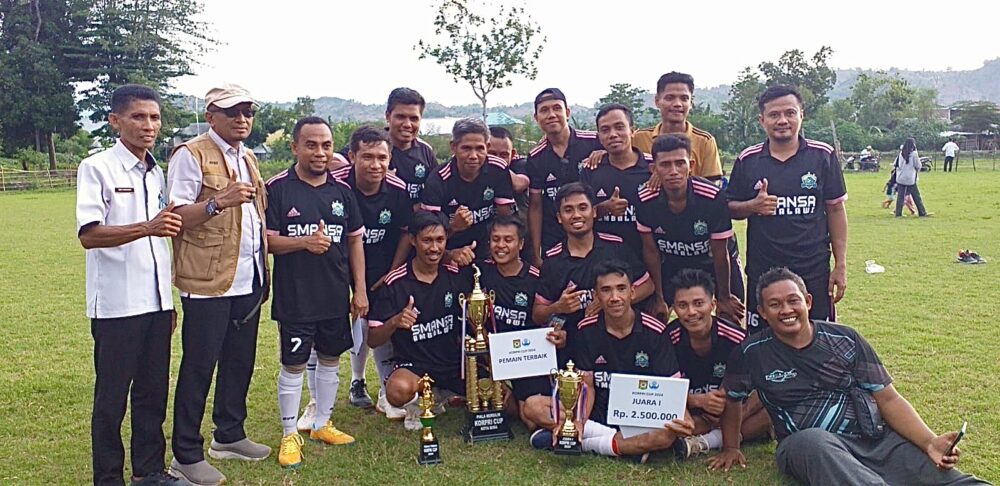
[(978, 84)]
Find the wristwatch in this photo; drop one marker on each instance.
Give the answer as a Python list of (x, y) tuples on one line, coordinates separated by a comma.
[(212, 207)]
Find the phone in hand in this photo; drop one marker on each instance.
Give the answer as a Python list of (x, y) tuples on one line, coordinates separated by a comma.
[(961, 433)]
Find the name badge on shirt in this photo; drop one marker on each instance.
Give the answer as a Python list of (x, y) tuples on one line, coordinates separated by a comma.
[(125, 189)]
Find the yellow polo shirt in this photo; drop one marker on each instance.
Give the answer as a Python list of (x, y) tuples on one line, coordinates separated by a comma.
[(705, 160)]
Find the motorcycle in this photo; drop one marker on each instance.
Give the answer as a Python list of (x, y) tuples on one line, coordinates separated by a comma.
[(865, 163)]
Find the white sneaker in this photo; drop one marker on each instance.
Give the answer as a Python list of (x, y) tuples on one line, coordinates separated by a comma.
[(412, 418), (383, 406), (305, 423), (872, 267)]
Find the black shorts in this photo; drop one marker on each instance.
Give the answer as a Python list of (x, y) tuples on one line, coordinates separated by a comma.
[(331, 337), (823, 308), (443, 378), (528, 387)]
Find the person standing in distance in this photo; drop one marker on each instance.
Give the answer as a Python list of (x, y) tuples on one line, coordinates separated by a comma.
[(791, 191), (950, 150), (220, 267), (123, 221)]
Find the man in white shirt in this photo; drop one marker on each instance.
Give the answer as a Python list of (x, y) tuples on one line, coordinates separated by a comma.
[(950, 150), (220, 267), (123, 220)]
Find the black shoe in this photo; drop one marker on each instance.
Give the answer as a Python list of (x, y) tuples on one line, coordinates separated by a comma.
[(359, 395), (159, 479), (541, 439)]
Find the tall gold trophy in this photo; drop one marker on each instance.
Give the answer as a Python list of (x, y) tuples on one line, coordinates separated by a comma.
[(569, 384), (484, 417), (430, 451)]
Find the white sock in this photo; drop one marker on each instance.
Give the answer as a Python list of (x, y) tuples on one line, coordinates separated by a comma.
[(713, 439), (412, 406), (383, 363), (311, 374), (593, 430), (359, 353), (327, 383), (598, 438), (289, 396)]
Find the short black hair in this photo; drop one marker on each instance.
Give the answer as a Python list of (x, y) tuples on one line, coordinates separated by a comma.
[(501, 132), (423, 219), (572, 188), (508, 220), (690, 278), (404, 96), (775, 275), (611, 267), (778, 91), (308, 120), (609, 107), (669, 142), (123, 95), (469, 126), (367, 134), (674, 77)]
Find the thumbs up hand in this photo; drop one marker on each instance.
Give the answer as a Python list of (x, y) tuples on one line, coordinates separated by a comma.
[(165, 223), (618, 205), (318, 242), (407, 317), (765, 204)]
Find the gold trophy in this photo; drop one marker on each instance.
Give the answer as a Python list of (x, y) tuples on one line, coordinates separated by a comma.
[(484, 417), (569, 384), (430, 451)]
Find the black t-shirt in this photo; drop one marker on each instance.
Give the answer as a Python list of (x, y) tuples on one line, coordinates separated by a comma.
[(311, 287), (797, 236), (806, 388), (645, 351), (519, 166), (413, 165), (515, 295), (548, 171), (684, 239), (705, 372), (603, 180), (560, 269), (446, 190), (386, 214), (434, 340)]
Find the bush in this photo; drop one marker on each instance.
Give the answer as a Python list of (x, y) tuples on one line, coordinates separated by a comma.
[(32, 160)]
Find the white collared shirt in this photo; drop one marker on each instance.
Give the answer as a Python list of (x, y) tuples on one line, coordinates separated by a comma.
[(183, 186), (114, 188)]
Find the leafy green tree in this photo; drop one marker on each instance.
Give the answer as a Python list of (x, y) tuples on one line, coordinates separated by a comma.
[(701, 116), (813, 77), (978, 116), (741, 112), (881, 100), (485, 50)]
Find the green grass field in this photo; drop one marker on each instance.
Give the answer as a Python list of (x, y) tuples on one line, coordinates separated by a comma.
[(930, 319)]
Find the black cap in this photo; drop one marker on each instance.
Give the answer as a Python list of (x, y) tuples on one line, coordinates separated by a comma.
[(549, 94)]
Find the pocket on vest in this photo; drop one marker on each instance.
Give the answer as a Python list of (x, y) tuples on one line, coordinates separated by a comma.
[(199, 257)]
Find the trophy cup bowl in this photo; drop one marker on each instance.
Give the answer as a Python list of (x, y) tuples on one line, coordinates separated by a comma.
[(484, 417), (569, 384)]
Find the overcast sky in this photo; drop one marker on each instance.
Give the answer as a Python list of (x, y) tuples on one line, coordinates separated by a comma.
[(360, 50)]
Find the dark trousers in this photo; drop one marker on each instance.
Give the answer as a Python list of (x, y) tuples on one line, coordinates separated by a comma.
[(131, 360), (817, 457), (215, 331), (948, 161), (901, 193)]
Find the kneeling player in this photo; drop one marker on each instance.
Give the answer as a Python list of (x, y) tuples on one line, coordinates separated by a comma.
[(703, 344), (514, 283), (418, 311), (618, 339)]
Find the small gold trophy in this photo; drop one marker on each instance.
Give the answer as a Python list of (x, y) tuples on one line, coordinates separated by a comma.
[(430, 451), (569, 384), (484, 417)]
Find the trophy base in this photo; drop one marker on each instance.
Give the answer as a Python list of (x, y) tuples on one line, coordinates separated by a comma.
[(486, 426), (430, 453), (568, 446)]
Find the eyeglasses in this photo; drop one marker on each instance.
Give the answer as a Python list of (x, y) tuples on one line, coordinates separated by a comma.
[(234, 111)]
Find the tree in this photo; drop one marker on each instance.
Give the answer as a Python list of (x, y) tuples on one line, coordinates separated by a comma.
[(881, 100), (741, 111), (633, 98), (701, 116), (813, 77), (978, 116), (486, 52)]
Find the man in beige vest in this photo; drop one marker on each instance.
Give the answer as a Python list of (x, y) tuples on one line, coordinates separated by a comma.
[(220, 268)]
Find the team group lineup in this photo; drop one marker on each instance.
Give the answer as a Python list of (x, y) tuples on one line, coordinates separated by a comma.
[(600, 237)]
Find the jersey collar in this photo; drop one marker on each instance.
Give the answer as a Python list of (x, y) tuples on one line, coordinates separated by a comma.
[(802, 146), (292, 175)]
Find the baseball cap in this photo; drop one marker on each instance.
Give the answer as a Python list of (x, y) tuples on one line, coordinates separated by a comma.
[(229, 95), (549, 94)]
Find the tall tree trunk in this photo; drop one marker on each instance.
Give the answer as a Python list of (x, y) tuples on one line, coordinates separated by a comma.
[(38, 141), (52, 151)]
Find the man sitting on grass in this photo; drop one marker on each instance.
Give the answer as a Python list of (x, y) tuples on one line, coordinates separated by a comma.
[(818, 381)]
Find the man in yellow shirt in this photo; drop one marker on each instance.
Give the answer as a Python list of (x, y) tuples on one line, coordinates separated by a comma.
[(674, 95)]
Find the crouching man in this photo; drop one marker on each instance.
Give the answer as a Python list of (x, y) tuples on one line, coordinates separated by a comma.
[(824, 387)]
